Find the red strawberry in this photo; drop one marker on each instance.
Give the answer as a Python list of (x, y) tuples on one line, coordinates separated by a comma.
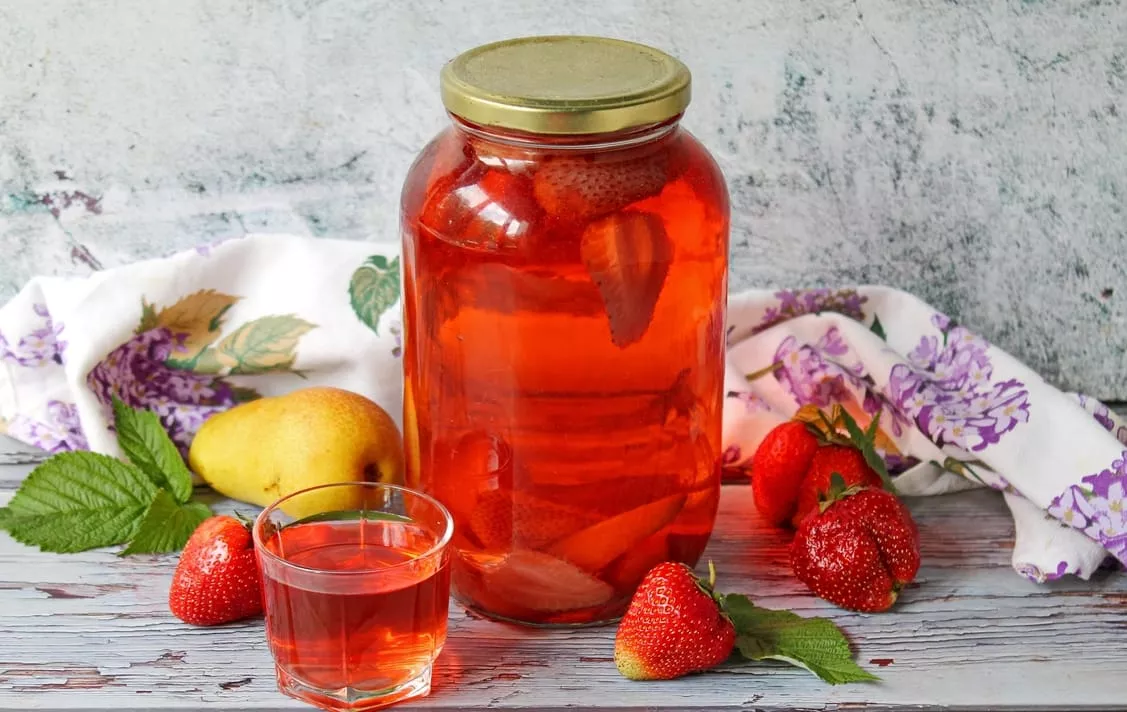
[(859, 550), (674, 626), (778, 467), (583, 188), (846, 461), (217, 579), (627, 255)]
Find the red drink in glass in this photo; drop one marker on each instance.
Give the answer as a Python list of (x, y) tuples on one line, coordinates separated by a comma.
[(356, 606)]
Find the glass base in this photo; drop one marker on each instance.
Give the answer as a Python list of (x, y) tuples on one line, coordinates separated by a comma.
[(350, 698)]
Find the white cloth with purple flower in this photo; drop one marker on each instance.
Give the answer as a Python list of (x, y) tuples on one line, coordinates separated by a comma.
[(193, 334), (960, 413)]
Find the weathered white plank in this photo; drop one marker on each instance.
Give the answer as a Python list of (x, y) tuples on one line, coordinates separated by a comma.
[(91, 631), (14, 453)]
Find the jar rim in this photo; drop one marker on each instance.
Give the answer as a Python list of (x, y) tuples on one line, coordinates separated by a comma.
[(565, 85)]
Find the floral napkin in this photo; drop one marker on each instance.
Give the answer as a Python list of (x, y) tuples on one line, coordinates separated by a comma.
[(195, 333)]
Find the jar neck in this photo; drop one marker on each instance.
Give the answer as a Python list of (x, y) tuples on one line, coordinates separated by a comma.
[(628, 138)]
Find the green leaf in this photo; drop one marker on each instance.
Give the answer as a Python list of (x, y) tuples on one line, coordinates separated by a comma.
[(815, 644), (756, 375), (865, 444), (196, 319), (374, 287), (877, 328), (206, 362), (5, 518), (143, 439), (351, 515), (79, 500), (241, 394), (265, 344), (148, 317), (167, 525)]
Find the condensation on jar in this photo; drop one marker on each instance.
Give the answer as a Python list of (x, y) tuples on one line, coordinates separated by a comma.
[(565, 246)]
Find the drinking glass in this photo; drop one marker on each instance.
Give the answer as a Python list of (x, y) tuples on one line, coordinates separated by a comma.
[(356, 585)]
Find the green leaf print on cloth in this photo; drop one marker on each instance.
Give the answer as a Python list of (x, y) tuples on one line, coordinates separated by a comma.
[(177, 363), (374, 287), (198, 318), (266, 344)]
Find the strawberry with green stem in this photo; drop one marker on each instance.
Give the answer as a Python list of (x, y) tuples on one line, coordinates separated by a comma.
[(859, 549), (678, 624), (217, 578), (795, 460)]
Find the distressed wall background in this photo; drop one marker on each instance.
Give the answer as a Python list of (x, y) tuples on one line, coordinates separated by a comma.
[(971, 151)]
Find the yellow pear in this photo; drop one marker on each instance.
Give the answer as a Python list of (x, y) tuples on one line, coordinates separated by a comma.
[(265, 449)]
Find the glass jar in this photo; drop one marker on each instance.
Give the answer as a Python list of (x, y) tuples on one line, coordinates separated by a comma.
[(565, 247)]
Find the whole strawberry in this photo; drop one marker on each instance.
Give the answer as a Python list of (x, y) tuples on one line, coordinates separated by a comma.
[(859, 550), (217, 579), (674, 626), (778, 467), (843, 460)]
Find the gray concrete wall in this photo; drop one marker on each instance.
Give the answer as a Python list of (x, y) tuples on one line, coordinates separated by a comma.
[(972, 151)]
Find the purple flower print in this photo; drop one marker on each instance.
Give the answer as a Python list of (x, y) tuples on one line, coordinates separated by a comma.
[(797, 302), (1072, 508), (752, 402), (946, 387), (60, 432), (136, 373), (1097, 507), (1104, 417), (41, 347), (818, 375), (205, 249), (1036, 575), (811, 377), (831, 344)]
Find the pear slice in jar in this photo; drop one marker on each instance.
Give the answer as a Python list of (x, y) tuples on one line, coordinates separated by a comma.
[(535, 581), (627, 256), (598, 545)]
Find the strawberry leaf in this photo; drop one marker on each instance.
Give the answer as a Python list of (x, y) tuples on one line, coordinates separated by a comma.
[(874, 427), (77, 501), (865, 444), (167, 525), (815, 644), (837, 483), (143, 439)]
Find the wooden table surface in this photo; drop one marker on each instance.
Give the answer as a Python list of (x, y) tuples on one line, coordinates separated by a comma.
[(92, 631)]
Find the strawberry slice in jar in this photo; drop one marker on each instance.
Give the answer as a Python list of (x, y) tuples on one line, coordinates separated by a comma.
[(583, 188), (628, 256)]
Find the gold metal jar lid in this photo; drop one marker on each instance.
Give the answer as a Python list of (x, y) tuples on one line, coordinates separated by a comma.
[(565, 84)]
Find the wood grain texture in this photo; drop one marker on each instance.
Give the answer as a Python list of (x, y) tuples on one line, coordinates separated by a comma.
[(92, 631)]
